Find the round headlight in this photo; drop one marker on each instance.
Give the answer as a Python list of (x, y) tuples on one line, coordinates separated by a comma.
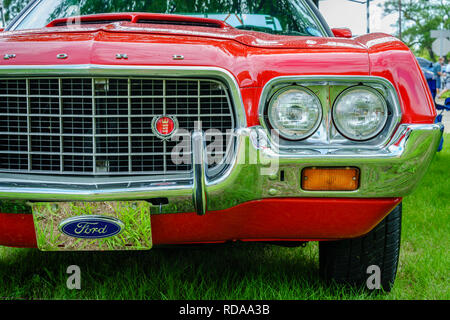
[(295, 112), (360, 113)]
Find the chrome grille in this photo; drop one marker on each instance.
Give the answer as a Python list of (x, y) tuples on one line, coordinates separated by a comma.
[(102, 126)]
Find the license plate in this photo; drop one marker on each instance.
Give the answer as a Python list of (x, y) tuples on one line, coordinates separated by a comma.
[(92, 226)]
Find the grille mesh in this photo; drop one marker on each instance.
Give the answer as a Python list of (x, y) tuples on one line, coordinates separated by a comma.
[(102, 126)]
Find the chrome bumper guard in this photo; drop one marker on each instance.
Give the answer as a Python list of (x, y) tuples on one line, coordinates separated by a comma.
[(253, 173), (199, 161)]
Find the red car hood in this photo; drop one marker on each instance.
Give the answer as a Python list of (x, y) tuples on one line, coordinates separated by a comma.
[(253, 57)]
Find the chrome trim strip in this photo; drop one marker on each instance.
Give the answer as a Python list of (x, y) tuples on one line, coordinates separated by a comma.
[(315, 18), (394, 149), (279, 82), (393, 171), (199, 166)]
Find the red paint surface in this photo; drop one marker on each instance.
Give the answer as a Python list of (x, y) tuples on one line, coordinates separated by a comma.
[(263, 220), (17, 230), (342, 32), (391, 59), (253, 58)]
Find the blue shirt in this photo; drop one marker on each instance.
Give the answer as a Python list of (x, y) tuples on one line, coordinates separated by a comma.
[(437, 68)]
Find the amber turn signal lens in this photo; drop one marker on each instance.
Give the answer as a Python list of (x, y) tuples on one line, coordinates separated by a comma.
[(330, 179)]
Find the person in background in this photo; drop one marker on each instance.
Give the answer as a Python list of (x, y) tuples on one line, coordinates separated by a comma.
[(447, 81), (437, 70), (443, 74)]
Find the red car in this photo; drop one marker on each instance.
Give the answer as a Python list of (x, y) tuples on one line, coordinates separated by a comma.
[(130, 124)]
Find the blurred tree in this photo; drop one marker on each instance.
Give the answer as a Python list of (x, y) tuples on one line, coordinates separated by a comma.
[(420, 17), (13, 7)]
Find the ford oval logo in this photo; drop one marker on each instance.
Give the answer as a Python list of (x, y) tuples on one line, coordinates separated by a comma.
[(91, 227)]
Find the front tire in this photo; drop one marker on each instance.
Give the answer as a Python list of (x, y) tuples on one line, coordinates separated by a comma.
[(346, 261)]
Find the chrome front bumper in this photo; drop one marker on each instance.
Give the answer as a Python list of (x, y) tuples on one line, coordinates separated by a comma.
[(254, 173)]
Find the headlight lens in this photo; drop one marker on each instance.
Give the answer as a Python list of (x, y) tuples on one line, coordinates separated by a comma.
[(360, 113), (295, 112)]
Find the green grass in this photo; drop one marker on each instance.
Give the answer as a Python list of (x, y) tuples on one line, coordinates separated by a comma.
[(133, 213), (243, 271), (446, 95)]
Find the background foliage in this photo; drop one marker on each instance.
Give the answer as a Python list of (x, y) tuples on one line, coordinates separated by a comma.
[(13, 7), (420, 17)]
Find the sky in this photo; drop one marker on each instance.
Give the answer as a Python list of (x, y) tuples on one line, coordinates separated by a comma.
[(344, 13)]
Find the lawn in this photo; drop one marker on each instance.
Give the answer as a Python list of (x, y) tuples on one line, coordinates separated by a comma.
[(446, 95), (243, 271)]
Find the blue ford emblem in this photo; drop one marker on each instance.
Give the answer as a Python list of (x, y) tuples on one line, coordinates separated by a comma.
[(91, 227)]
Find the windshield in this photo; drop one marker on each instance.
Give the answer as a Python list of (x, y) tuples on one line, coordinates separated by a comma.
[(286, 17)]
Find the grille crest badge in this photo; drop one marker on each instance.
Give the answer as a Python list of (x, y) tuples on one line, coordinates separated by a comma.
[(164, 127)]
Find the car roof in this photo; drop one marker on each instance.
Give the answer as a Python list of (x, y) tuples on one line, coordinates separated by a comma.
[(424, 62)]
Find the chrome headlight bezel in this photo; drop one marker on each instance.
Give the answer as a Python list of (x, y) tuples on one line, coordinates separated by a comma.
[(345, 131), (284, 133), (328, 88)]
